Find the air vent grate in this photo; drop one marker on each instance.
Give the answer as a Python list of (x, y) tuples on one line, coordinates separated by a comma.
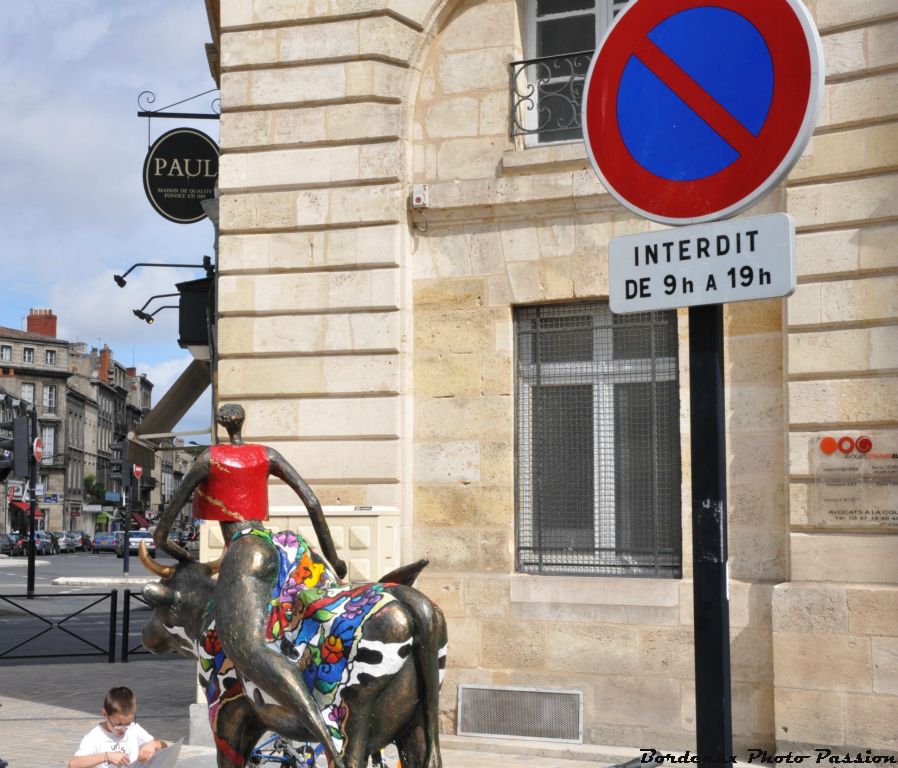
[(527, 713)]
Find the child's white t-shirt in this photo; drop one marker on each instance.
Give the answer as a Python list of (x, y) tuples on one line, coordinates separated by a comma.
[(100, 740)]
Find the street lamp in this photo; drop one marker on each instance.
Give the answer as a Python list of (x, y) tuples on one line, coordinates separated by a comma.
[(139, 313), (149, 317), (207, 265)]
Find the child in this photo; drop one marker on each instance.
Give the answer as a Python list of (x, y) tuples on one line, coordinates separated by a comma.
[(117, 739)]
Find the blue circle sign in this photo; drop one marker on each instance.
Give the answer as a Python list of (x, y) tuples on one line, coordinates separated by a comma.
[(694, 111)]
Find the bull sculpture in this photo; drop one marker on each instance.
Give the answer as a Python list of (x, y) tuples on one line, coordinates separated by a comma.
[(372, 655)]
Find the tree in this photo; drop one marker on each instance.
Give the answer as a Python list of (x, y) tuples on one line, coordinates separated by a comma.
[(94, 491)]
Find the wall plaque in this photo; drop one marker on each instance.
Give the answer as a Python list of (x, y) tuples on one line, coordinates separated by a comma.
[(855, 480), (180, 171)]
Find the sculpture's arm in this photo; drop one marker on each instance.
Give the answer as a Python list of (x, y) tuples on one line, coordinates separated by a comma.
[(280, 467), (198, 472)]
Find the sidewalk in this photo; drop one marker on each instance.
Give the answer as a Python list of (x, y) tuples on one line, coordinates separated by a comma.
[(8, 562), (48, 706)]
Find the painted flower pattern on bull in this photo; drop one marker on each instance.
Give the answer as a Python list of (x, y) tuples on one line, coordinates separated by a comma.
[(217, 676), (320, 618)]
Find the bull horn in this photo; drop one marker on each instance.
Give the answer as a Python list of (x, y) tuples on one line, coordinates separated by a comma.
[(163, 571)]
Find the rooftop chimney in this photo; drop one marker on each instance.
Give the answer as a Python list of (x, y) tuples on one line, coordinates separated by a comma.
[(105, 360), (42, 321)]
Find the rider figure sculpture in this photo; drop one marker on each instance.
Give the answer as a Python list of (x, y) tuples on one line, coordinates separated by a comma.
[(230, 484)]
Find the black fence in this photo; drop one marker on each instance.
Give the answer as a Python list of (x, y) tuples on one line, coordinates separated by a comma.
[(80, 624)]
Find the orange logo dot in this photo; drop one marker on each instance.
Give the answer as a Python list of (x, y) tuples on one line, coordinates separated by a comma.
[(828, 445)]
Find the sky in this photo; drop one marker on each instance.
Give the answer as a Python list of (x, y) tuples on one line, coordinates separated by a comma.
[(73, 211)]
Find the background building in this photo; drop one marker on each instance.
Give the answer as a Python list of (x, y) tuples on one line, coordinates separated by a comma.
[(86, 402), (452, 365)]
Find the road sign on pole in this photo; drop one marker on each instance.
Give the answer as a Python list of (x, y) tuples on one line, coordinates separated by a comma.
[(693, 112), (713, 263), (138, 470), (38, 449)]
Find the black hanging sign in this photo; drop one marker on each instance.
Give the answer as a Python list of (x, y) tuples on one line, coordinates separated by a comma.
[(180, 171)]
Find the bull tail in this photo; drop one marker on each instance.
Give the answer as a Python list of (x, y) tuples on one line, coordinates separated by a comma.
[(404, 574)]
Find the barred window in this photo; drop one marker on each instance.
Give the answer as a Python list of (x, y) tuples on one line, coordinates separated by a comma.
[(597, 441)]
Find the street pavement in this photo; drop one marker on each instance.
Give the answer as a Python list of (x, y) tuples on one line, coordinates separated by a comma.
[(46, 706)]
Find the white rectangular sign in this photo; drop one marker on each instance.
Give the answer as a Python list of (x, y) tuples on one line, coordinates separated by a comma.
[(713, 263)]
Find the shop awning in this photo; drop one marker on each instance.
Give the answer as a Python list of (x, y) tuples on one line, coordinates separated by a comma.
[(140, 520), (26, 507), (158, 424), (102, 517)]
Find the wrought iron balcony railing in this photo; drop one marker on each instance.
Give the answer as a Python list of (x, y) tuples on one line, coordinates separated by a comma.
[(546, 95)]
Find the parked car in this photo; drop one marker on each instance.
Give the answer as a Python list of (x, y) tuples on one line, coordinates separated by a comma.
[(21, 545), (78, 541), (44, 543), (62, 541), (9, 544), (104, 541), (134, 539)]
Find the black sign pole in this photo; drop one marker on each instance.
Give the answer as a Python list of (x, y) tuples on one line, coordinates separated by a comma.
[(711, 610), (127, 493), (32, 464)]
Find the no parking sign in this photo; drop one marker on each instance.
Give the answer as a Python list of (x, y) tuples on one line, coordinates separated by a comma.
[(693, 111)]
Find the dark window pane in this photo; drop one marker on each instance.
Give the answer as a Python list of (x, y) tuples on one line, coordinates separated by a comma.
[(647, 467), (617, 6), (566, 35), (642, 335), (563, 339), (563, 465), (561, 6)]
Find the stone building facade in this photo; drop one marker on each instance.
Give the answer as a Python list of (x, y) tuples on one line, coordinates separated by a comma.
[(388, 351), (36, 366), (85, 401)]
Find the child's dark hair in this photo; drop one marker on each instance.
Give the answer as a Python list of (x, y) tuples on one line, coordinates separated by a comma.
[(119, 701)]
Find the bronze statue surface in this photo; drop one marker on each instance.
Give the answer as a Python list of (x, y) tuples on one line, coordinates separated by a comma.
[(283, 644)]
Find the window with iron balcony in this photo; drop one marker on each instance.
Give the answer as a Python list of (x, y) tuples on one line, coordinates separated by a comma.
[(547, 87)]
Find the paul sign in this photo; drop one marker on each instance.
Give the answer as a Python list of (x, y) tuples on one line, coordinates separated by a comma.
[(180, 171)]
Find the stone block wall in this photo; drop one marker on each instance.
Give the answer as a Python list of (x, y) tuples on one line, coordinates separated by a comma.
[(310, 292), (833, 628), (373, 346)]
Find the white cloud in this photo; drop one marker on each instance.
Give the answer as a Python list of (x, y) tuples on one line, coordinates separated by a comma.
[(72, 206)]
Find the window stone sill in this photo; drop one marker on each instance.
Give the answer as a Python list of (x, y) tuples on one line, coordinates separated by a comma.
[(597, 590), (554, 157), (579, 599)]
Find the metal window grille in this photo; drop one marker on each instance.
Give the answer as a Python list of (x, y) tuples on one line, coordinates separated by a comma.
[(597, 441)]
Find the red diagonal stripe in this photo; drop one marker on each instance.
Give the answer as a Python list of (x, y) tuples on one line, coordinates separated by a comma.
[(695, 97)]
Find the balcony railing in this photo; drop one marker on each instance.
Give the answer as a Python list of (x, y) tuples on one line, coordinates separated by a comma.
[(546, 95)]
